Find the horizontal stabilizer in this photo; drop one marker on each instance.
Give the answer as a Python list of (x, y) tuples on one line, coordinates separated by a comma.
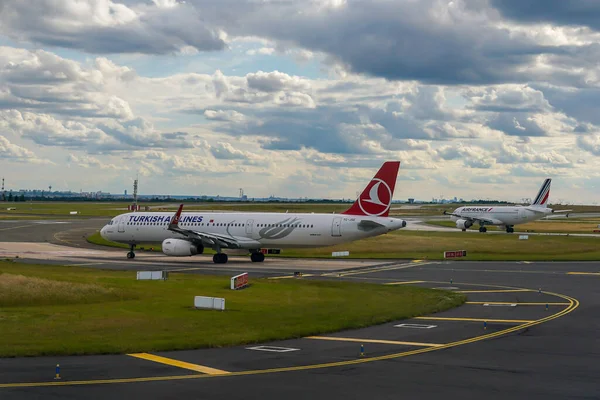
[(367, 225), (539, 210)]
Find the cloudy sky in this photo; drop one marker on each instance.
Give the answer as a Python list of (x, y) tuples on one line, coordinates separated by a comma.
[(476, 98)]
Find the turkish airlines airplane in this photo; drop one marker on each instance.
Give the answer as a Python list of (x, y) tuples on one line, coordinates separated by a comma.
[(506, 216), (187, 234)]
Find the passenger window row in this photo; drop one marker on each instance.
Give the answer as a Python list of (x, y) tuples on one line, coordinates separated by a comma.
[(224, 224), (186, 224), (284, 226)]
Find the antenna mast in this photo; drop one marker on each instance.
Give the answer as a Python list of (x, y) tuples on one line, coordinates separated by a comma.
[(135, 189)]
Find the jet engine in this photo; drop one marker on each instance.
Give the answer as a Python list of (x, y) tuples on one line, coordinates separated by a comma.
[(463, 224), (180, 248)]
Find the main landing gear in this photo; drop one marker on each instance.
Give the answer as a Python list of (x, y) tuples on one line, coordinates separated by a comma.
[(510, 229), (131, 254), (482, 229), (220, 258), (257, 256)]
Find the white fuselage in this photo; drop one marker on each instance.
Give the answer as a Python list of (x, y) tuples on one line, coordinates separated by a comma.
[(253, 230), (503, 215)]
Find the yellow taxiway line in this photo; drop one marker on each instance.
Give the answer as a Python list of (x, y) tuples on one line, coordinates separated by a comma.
[(573, 304), (584, 273), (517, 303), (403, 283), (180, 364), (358, 340), (494, 291), (508, 321)]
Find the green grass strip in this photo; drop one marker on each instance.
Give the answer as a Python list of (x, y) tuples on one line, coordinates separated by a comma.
[(88, 311)]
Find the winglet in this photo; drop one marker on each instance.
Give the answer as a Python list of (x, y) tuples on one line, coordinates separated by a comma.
[(376, 198), (175, 221)]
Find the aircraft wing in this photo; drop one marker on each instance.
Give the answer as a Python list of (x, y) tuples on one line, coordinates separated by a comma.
[(211, 239), (489, 221)]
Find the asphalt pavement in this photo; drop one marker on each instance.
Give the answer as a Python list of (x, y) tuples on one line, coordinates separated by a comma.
[(528, 331)]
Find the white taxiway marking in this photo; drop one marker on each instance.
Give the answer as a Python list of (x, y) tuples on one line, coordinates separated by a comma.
[(273, 349), (415, 326), (499, 305)]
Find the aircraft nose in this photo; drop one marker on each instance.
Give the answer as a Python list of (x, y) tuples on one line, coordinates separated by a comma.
[(103, 232)]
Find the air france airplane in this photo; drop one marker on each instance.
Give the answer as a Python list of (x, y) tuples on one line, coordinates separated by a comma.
[(187, 234), (506, 216)]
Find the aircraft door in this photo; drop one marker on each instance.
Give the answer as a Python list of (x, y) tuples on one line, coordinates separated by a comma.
[(249, 224), (336, 227), (122, 224)]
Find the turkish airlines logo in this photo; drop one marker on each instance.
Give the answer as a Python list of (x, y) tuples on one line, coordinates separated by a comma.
[(376, 199)]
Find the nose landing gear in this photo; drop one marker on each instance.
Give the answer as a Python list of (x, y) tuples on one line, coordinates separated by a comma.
[(131, 253)]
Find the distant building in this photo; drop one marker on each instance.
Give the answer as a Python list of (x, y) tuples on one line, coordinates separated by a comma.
[(411, 201), (125, 192)]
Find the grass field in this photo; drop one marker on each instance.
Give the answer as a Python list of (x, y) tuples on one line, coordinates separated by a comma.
[(543, 226), (63, 209), (111, 209), (431, 245), (74, 310), (20, 290)]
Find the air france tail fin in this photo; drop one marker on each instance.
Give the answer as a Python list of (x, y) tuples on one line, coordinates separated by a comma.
[(542, 197), (376, 199)]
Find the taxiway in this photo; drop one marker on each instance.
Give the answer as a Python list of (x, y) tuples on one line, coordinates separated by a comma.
[(528, 330)]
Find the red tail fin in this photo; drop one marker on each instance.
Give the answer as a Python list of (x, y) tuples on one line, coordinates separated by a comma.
[(376, 199)]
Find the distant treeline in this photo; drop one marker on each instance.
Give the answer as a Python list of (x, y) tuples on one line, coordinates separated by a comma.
[(15, 198), (21, 198), (488, 202)]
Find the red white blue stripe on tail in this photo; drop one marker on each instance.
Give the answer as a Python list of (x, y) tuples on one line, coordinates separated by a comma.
[(542, 197)]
